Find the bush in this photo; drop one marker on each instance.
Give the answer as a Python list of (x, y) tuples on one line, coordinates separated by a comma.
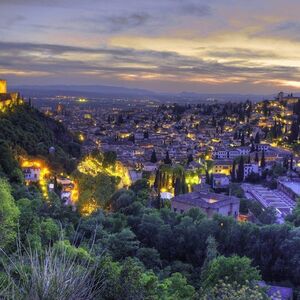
[(52, 275)]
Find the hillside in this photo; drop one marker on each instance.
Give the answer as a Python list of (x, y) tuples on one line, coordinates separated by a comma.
[(26, 131)]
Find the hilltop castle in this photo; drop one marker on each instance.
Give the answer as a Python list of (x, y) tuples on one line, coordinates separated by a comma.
[(8, 99)]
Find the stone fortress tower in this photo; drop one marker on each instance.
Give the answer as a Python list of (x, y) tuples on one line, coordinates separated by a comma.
[(3, 86), (8, 99)]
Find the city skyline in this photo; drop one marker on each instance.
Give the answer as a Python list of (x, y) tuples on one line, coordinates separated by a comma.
[(170, 46)]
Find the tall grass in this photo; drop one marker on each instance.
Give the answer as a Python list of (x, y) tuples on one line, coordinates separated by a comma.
[(52, 275)]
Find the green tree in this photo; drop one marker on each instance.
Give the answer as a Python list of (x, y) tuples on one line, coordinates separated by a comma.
[(9, 215), (109, 159), (28, 212), (176, 288), (77, 253), (97, 188), (211, 254), (140, 184), (236, 190), (122, 244), (111, 272), (121, 199), (268, 216), (231, 269), (293, 136), (295, 216), (7, 161), (244, 206), (49, 231), (149, 257), (229, 291), (130, 280)]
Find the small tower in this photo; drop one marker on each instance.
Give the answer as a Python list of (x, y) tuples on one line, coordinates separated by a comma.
[(3, 86), (280, 96), (52, 150)]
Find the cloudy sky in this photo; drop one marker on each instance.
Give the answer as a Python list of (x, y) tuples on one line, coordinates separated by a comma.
[(238, 46)]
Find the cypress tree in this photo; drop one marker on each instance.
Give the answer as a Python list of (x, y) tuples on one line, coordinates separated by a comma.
[(211, 254), (163, 180), (257, 138), (214, 123), (179, 186), (167, 160), (235, 136), (256, 157), (211, 179), (263, 160), (157, 180), (294, 132), (286, 163), (249, 159), (207, 178), (291, 162), (190, 158), (132, 138), (243, 139), (184, 187), (233, 178), (153, 157), (240, 171)]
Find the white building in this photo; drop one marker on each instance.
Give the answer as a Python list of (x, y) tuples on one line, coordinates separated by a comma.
[(243, 151), (220, 181), (220, 154), (262, 147), (233, 153), (251, 168), (32, 174)]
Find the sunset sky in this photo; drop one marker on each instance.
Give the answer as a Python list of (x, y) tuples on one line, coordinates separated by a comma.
[(219, 46)]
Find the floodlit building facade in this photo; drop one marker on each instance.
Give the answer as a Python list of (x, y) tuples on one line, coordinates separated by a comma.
[(209, 203)]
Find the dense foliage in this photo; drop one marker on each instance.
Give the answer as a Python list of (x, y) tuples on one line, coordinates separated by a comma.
[(26, 131)]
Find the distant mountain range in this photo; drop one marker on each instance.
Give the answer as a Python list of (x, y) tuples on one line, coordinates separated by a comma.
[(117, 91)]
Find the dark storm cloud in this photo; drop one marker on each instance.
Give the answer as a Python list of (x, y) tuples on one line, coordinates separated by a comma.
[(240, 53), (116, 23), (13, 47), (33, 2), (289, 30), (195, 9), (132, 20)]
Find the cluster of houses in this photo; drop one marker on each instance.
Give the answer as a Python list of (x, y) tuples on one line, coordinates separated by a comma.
[(135, 131), (36, 172)]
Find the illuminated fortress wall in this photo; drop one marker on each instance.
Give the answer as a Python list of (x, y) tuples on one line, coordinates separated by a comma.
[(3, 86), (8, 99)]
